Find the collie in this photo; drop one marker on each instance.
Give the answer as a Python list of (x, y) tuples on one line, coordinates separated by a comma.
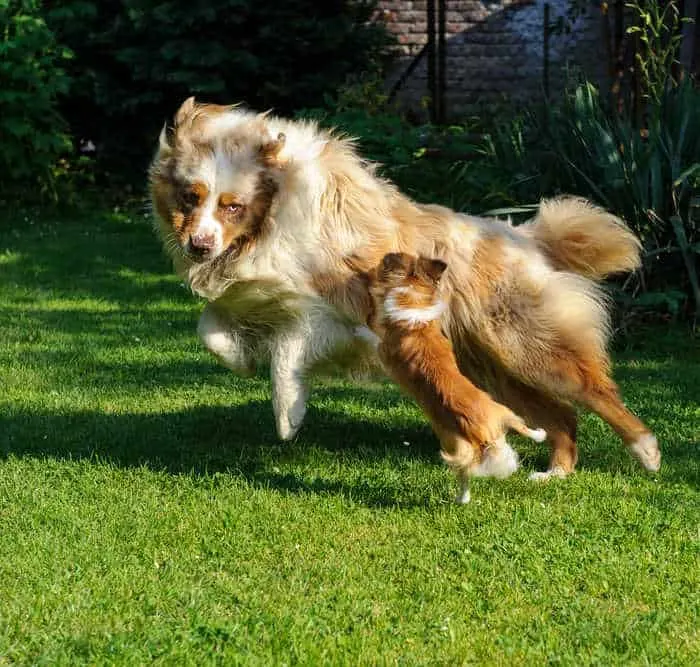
[(260, 213)]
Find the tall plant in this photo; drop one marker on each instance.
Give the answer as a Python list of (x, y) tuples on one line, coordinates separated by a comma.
[(657, 26)]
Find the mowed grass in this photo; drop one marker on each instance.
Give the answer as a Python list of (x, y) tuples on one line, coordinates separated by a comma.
[(148, 514)]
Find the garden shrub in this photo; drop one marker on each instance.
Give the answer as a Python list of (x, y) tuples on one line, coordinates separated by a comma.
[(136, 60), (33, 133)]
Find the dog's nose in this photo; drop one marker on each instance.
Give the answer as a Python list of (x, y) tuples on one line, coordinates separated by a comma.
[(201, 244)]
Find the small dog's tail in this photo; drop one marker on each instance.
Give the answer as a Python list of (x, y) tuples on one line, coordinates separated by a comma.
[(519, 426), (580, 237)]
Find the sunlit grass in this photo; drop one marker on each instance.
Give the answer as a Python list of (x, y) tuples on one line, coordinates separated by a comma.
[(147, 512)]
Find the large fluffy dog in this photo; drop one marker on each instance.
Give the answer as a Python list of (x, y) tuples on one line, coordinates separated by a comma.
[(260, 215)]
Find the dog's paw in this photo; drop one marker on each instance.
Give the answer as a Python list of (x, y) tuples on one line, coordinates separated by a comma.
[(463, 497), (289, 417), (552, 473), (646, 450), (289, 423)]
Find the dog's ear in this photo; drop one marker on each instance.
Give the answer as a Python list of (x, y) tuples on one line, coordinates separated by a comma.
[(269, 152), (184, 112), (397, 264), (432, 269), (166, 140)]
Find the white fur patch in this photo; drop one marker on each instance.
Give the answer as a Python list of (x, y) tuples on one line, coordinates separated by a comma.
[(538, 434), (210, 226), (646, 449), (221, 124), (464, 495), (366, 334), (500, 461), (396, 313)]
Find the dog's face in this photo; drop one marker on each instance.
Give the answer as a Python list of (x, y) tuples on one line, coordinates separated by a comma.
[(213, 180), (403, 283)]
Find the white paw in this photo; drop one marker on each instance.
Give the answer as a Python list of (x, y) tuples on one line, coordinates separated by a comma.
[(552, 473), (538, 435), (463, 497), (289, 416), (289, 423), (646, 449)]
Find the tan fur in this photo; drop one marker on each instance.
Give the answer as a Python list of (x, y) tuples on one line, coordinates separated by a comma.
[(523, 315), (580, 237), (420, 359)]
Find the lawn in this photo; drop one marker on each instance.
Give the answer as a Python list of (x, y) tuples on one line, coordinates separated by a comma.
[(148, 514)]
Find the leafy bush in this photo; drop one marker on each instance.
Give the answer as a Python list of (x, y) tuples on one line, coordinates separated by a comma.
[(649, 176), (420, 159), (32, 78), (136, 60)]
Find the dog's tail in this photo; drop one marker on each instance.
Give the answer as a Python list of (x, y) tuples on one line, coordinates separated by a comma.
[(580, 237), (516, 423)]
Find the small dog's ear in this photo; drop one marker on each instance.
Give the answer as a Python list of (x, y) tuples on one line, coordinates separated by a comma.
[(166, 140), (397, 264), (431, 268), (269, 152)]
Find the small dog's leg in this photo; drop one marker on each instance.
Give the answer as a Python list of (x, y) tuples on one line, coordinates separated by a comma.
[(464, 495), (228, 345)]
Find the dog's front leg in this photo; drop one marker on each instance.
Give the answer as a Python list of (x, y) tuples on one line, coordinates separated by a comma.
[(289, 390), (315, 336)]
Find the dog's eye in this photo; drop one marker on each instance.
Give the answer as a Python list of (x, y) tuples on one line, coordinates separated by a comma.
[(230, 205), (190, 198)]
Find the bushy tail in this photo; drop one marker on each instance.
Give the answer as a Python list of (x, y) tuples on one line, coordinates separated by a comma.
[(580, 237)]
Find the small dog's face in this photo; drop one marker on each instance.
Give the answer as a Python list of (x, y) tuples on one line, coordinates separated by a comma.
[(213, 189), (403, 283)]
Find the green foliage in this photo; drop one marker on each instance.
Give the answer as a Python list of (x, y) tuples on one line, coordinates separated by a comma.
[(420, 159), (136, 60), (32, 78), (658, 28), (648, 176)]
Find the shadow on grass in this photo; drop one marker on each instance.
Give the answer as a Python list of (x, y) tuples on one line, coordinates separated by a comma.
[(110, 257), (120, 262), (240, 440)]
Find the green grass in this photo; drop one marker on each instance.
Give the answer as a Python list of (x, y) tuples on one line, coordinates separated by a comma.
[(147, 512)]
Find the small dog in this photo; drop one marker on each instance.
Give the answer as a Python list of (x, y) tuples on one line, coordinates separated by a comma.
[(404, 325)]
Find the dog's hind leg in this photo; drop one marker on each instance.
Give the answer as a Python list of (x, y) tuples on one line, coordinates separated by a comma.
[(559, 420), (556, 418), (602, 396), (583, 378)]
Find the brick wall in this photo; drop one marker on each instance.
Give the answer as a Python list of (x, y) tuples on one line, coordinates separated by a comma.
[(494, 49)]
